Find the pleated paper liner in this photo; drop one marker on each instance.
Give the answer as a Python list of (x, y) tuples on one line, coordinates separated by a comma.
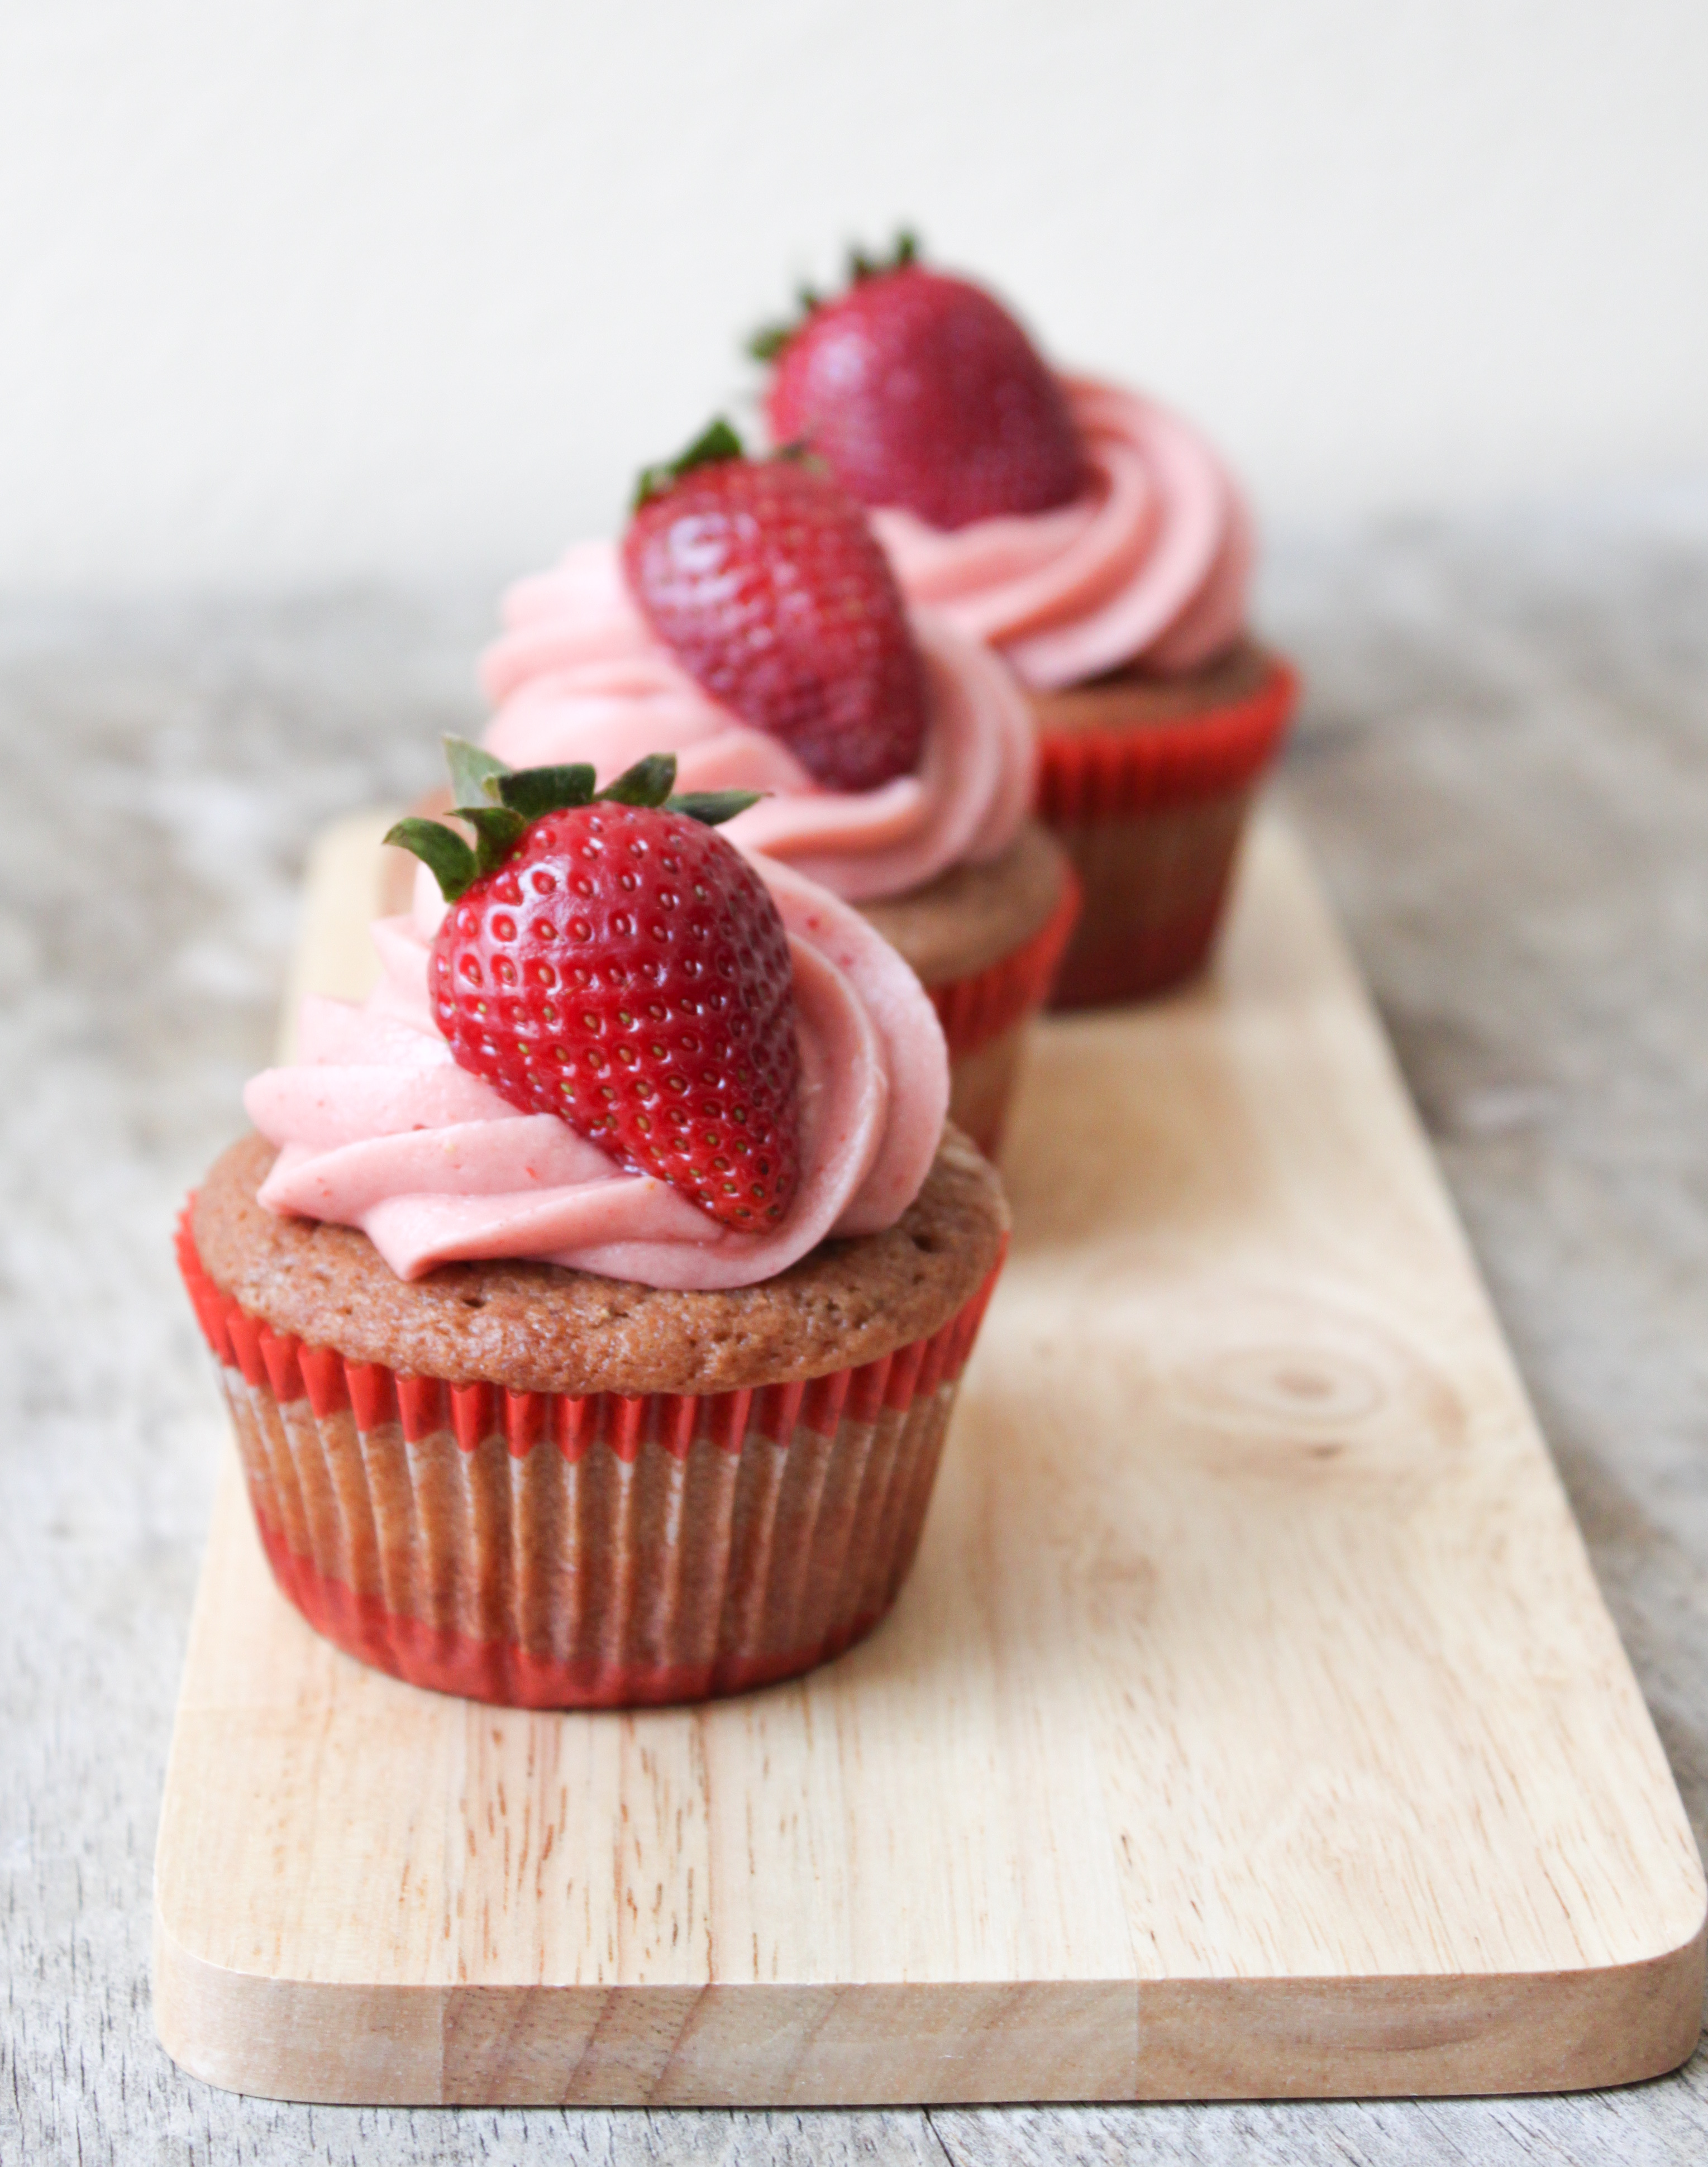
[(1151, 814), (984, 1018), (545, 1550)]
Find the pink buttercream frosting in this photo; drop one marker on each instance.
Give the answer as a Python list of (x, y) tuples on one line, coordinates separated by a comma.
[(578, 675), (378, 1127), (1150, 564)]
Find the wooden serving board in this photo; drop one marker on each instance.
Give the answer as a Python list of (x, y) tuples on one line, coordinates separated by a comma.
[(1251, 1724)]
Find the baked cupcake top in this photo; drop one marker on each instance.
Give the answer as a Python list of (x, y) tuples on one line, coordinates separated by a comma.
[(1077, 527), (533, 1327), (750, 625), (621, 1046)]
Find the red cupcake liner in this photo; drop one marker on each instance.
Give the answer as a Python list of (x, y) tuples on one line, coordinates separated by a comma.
[(975, 1009), (1105, 773), (542, 1550), (983, 1017), (1151, 815), (1130, 962)]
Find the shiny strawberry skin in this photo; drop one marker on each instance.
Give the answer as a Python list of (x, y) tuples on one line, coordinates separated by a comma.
[(763, 579), (626, 969), (920, 390)]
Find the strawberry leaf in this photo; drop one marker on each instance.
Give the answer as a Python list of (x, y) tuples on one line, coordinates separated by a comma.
[(903, 250), (443, 852), (497, 831), (474, 771), (534, 791), (525, 795), (770, 339), (712, 807), (647, 782), (768, 342), (716, 441)]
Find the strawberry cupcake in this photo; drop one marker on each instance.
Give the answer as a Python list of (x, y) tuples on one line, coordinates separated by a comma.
[(591, 1301), (749, 623), (1096, 541)]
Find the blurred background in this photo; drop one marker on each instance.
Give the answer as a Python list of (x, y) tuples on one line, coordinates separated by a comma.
[(383, 289)]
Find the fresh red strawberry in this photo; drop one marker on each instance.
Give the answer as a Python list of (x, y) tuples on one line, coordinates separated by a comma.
[(613, 960), (921, 390), (764, 581)]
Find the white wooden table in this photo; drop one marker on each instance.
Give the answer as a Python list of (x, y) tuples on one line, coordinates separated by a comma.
[(1503, 769)]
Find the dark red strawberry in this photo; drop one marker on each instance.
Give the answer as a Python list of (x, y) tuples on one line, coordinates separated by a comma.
[(764, 581), (921, 390), (613, 960)]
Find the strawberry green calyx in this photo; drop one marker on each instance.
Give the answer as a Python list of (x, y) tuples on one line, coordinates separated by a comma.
[(903, 250), (472, 769), (538, 791), (768, 342), (716, 441), (647, 782), (770, 339), (500, 803), (442, 850)]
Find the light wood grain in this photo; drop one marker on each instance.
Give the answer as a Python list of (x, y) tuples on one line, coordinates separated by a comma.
[(1252, 1723)]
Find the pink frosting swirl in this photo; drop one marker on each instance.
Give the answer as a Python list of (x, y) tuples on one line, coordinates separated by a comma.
[(378, 1128), (1150, 564), (578, 675)]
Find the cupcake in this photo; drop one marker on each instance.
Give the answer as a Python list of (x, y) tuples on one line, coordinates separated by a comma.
[(749, 625), (591, 1301), (1096, 541)]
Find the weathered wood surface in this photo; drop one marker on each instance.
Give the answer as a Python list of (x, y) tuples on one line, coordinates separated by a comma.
[(1504, 768), (1251, 1723)]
